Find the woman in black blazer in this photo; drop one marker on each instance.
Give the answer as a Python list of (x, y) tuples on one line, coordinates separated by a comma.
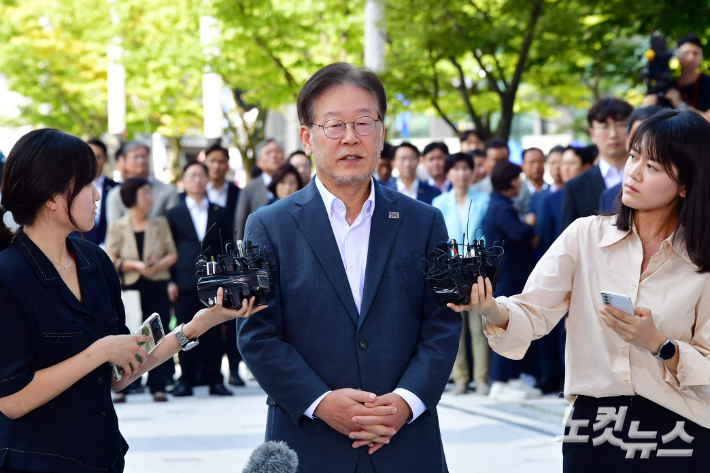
[(62, 318)]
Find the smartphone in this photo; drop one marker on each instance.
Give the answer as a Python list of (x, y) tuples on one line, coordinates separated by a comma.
[(618, 301), (152, 327)]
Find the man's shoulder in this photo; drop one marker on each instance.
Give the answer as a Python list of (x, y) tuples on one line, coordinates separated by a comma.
[(406, 203), (584, 178), (180, 207)]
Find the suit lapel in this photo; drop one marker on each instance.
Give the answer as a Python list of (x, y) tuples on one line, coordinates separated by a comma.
[(382, 236), (312, 218)]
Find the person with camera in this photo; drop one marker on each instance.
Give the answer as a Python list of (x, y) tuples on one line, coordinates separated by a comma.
[(691, 89), (63, 322), (647, 371)]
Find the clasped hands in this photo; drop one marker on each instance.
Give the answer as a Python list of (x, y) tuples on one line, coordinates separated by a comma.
[(364, 417)]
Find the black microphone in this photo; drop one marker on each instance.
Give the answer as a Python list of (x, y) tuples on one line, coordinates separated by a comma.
[(272, 457)]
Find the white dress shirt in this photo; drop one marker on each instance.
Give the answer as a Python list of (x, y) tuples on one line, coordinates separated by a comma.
[(267, 180), (99, 184), (411, 192), (612, 176), (199, 213), (218, 196), (444, 188), (354, 242)]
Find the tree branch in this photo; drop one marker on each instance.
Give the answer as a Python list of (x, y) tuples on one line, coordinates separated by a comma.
[(525, 49), (289, 78), (435, 102), (491, 80), (464, 94), (500, 70)]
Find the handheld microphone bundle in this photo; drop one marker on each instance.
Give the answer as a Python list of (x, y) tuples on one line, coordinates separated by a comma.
[(455, 268), (242, 273), (272, 457)]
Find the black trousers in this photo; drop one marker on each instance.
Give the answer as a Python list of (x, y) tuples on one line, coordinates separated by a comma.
[(624, 452), (230, 346), (210, 349), (154, 298)]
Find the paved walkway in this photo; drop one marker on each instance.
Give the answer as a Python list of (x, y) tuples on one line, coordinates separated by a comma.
[(217, 435)]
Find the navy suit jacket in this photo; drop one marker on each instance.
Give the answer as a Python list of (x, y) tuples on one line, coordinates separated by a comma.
[(311, 339), (97, 235), (581, 198), (503, 223), (548, 221), (188, 245), (607, 201)]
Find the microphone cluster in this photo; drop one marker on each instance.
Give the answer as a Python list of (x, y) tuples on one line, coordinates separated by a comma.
[(455, 267), (242, 273)]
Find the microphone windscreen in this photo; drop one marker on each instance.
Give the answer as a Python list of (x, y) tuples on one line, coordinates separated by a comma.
[(272, 457)]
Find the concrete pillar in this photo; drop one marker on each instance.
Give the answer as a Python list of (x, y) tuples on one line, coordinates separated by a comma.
[(116, 84), (374, 36)]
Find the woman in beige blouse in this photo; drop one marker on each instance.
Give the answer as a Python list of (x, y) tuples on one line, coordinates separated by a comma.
[(142, 250), (639, 383)]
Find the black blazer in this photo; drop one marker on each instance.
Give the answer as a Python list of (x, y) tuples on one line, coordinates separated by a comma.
[(188, 245), (43, 324), (97, 235), (581, 197)]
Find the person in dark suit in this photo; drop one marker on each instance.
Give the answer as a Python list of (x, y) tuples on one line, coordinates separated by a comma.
[(63, 322), (575, 161), (103, 184), (607, 200), (353, 351), (607, 128), (225, 194), (406, 160), (255, 195), (189, 224), (503, 223)]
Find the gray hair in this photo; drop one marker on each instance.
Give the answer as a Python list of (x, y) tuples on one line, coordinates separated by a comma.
[(265, 142), (130, 146), (334, 75)]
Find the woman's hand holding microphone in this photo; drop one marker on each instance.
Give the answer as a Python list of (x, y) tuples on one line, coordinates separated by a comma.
[(482, 301)]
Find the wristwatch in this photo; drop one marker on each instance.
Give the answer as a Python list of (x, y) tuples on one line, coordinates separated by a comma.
[(184, 342), (667, 350)]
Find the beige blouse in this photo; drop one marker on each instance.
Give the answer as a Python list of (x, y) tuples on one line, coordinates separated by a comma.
[(591, 256)]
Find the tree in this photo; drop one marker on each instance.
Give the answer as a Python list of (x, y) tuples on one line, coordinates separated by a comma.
[(270, 48)]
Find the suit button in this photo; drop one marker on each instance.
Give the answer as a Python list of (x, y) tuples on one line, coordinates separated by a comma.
[(103, 414), (100, 380), (89, 318), (363, 344)]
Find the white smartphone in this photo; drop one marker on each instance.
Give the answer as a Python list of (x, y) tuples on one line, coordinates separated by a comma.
[(152, 327), (618, 301)]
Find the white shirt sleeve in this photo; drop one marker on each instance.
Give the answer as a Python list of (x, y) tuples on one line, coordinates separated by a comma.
[(312, 408), (415, 404)]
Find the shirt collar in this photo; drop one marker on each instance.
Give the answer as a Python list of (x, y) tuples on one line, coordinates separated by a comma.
[(676, 240), (605, 168), (402, 188), (99, 182), (192, 204), (266, 178), (210, 187), (330, 200)]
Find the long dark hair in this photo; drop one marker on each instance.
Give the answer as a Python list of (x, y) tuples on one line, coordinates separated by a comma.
[(680, 138), (43, 163)]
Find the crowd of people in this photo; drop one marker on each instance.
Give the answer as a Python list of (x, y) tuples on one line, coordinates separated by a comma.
[(350, 361)]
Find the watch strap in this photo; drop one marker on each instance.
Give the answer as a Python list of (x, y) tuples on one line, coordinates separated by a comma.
[(183, 340), (667, 350)]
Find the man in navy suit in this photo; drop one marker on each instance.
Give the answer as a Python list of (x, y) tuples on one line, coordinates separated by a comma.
[(103, 184), (353, 352), (225, 194), (406, 160), (190, 222), (607, 128)]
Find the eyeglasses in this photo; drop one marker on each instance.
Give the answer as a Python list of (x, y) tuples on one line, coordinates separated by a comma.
[(619, 126), (335, 128)]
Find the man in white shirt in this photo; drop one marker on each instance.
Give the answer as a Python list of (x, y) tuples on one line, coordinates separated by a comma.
[(406, 160), (190, 222), (353, 350), (256, 195)]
